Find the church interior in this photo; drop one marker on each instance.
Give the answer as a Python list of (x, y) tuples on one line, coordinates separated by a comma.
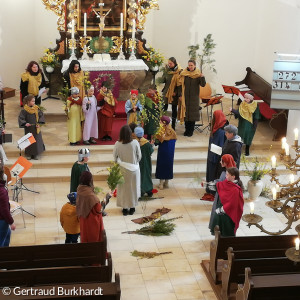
[(248, 37)]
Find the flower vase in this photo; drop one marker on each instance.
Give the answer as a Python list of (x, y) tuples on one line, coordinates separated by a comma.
[(49, 69), (154, 68), (254, 188)]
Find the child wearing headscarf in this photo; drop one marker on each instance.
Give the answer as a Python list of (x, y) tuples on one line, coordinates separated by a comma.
[(166, 137), (145, 162), (75, 117), (133, 107), (69, 220), (248, 115)]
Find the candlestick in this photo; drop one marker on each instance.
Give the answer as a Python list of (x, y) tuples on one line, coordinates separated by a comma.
[(287, 149), (297, 244), (273, 159), (84, 24), (274, 192), (132, 55), (251, 208), (296, 132), (72, 32), (121, 24), (283, 142), (292, 179)]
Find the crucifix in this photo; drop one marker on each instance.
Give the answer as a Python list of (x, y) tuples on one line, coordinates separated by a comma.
[(101, 15)]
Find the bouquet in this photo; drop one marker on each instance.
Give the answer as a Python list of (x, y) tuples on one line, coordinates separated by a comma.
[(153, 58), (50, 58)]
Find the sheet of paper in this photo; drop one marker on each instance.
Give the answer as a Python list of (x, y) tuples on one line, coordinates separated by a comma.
[(17, 169), (41, 91), (24, 144), (25, 137), (216, 149), (241, 97)]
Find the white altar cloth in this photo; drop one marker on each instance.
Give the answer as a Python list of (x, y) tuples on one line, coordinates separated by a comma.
[(109, 65)]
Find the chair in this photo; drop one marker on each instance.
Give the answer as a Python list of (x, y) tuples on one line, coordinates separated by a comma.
[(16, 208)]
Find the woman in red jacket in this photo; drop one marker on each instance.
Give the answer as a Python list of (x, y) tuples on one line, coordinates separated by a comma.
[(6, 220)]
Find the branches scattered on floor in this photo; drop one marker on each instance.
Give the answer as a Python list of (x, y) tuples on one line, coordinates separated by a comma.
[(141, 254)]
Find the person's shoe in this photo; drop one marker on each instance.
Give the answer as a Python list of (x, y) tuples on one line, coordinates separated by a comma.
[(92, 141), (161, 185), (125, 211), (104, 138), (166, 184), (86, 142), (28, 157), (185, 133), (72, 144), (189, 135), (77, 143), (150, 194), (131, 210), (35, 157), (108, 138)]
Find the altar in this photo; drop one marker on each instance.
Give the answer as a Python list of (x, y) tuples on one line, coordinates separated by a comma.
[(125, 74)]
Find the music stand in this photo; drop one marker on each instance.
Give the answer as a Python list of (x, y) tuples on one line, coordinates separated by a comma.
[(231, 90)]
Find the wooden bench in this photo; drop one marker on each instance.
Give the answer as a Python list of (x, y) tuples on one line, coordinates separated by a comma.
[(55, 255), (233, 271), (262, 90), (252, 246), (109, 291), (269, 287), (50, 276)]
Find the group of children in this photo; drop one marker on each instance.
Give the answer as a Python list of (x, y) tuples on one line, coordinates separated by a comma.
[(97, 114)]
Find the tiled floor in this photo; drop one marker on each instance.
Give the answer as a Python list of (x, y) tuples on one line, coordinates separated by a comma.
[(167, 277)]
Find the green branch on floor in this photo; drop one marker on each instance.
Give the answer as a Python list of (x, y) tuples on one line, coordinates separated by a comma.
[(142, 254)]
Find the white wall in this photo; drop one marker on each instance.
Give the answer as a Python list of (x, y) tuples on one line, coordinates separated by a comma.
[(247, 33)]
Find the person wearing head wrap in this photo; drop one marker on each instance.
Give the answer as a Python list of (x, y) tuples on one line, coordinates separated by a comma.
[(30, 118), (74, 77), (69, 220), (32, 80), (217, 137), (191, 79), (166, 137), (229, 204), (107, 103), (89, 210), (133, 107), (75, 116), (145, 162), (152, 111), (89, 107), (248, 115), (170, 91)]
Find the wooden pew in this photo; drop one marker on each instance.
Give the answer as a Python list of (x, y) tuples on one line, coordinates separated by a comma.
[(50, 276), (234, 269), (247, 246), (269, 287), (109, 291), (55, 255)]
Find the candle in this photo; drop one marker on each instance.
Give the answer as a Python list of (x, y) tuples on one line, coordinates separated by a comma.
[(297, 244), (296, 132), (287, 149), (121, 24), (84, 24), (274, 192), (251, 208), (133, 31), (72, 32), (277, 188), (273, 159), (292, 179), (283, 142)]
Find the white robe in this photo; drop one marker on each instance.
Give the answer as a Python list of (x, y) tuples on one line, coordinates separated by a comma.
[(90, 128), (129, 192)]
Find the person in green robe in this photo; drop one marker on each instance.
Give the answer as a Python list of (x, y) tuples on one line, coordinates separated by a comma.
[(79, 167), (145, 162), (248, 115)]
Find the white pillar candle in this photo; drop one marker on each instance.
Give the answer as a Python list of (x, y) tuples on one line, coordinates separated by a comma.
[(133, 31), (297, 244), (251, 208), (273, 159), (72, 32), (283, 142), (84, 24), (296, 132), (292, 178), (287, 149), (121, 24), (274, 192)]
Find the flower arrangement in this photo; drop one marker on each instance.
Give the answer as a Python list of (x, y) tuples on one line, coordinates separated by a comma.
[(255, 169), (115, 176), (86, 81), (50, 58), (153, 58)]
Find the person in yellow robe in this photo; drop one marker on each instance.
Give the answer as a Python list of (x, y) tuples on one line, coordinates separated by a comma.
[(75, 117)]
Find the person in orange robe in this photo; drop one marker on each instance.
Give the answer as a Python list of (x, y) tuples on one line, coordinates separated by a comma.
[(107, 103), (88, 209)]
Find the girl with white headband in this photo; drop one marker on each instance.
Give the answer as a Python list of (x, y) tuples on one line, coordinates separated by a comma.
[(248, 114)]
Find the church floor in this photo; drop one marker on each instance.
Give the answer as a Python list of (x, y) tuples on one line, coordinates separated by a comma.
[(167, 277)]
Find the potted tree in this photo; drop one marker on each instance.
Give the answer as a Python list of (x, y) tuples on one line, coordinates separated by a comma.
[(256, 170)]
